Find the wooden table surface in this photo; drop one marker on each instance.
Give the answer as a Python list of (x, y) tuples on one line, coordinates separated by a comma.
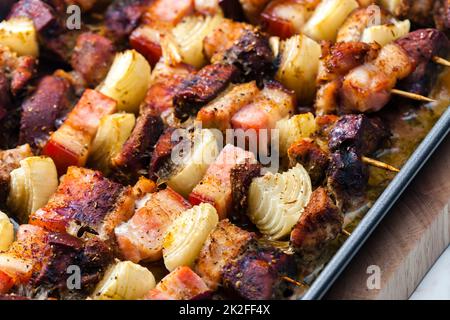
[(407, 242)]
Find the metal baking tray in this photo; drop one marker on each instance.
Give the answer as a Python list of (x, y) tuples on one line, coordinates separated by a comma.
[(380, 208)]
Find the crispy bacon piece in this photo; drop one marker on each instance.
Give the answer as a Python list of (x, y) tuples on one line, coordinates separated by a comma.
[(319, 224), (162, 152), (26, 256), (10, 160), (42, 14), (181, 284), (336, 61), (257, 273), (219, 112), (284, 18), (69, 145), (123, 16), (241, 177), (421, 46), (215, 187), (141, 238), (41, 112), (86, 201), (367, 88), (168, 11), (159, 17), (224, 243), (272, 104), (359, 132), (201, 88), (92, 57), (311, 157)]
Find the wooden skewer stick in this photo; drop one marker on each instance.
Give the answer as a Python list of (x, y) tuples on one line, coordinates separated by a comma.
[(297, 283), (346, 233), (410, 95), (441, 61), (379, 164)]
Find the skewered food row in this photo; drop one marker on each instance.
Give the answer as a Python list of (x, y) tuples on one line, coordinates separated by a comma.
[(223, 142)]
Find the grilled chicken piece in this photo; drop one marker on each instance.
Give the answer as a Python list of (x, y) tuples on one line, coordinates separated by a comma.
[(181, 284), (86, 201), (203, 87), (141, 238), (367, 88), (241, 177), (311, 157), (226, 242), (272, 104), (92, 57), (358, 20), (42, 111), (320, 223), (421, 46), (336, 61), (123, 16), (10, 160), (359, 132), (284, 18), (219, 112), (347, 178), (257, 273), (215, 187)]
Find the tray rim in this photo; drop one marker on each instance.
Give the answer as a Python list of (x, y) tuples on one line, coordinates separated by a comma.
[(380, 208)]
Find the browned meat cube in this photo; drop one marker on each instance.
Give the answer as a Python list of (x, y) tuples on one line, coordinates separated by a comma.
[(251, 55), (122, 16), (257, 274), (181, 284), (133, 159), (311, 157), (226, 242), (198, 90), (40, 12), (10, 160), (422, 45), (347, 178), (320, 223), (161, 154), (241, 177), (86, 201), (92, 57), (41, 112), (359, 132)]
